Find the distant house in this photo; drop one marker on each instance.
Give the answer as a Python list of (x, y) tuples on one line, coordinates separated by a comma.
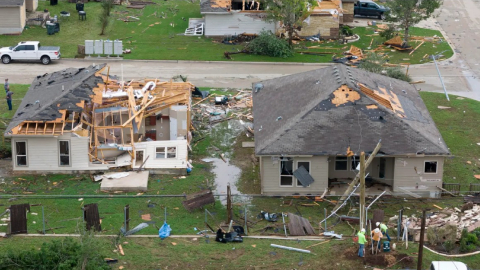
[(231, 17), (321, 120), (78, 120), (12, 16)]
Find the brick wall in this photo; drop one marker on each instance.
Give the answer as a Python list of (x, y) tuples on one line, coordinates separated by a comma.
[(321, 23), (347, 18)]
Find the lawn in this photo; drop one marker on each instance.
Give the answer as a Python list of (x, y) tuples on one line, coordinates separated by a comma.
[(157, 36)]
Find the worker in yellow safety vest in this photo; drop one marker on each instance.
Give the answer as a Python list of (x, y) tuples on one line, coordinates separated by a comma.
[(361, 242), (384, 229)]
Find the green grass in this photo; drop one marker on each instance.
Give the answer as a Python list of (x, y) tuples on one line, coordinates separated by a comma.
[(19, 90), (251, 254), (157, 38), (459, 126)]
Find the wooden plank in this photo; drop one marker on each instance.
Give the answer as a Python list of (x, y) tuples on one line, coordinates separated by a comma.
[(18, 218), (92, 217), (248, 144)]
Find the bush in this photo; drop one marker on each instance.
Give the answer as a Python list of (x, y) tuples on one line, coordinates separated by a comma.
[(398, 73), (449, 246), (268, 44), (63, 254), (468, 241), (347, 31), (389, 33)]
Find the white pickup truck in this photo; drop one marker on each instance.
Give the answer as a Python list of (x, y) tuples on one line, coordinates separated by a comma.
[(28, 51)]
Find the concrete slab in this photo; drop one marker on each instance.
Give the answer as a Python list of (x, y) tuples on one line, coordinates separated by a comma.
[(134, 181)]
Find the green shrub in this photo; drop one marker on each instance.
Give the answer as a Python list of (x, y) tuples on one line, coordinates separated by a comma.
[(269, 44), (389, 33), (449, 246), (398, 73), (468, 241), (346, 31)]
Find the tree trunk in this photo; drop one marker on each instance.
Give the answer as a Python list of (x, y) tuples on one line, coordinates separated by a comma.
[(406, 34), (290, 36)]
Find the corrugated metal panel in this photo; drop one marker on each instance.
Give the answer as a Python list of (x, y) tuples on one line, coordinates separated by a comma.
[(303, 176), (235, 23), (92, 217), (18, 218)]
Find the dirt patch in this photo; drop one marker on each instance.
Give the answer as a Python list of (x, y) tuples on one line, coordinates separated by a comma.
[(234, 254), (381, 259)]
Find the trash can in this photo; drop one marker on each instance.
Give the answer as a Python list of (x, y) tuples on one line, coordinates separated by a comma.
[(79, 6), (53, 2), (386, 246), (50, 28), (57, 27)]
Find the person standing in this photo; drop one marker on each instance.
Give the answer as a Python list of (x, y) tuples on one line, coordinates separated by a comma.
[(361, 242), (9, 99), (6, 85), (376, 236), (384, 229)]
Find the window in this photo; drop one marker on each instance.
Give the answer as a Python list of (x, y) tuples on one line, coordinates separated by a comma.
[(21, 153), (286, 173), (20, 48), (430, 167), (160, 152), (341, 163), (171, 152), (29, 48), (306, 165), (371, 5), (64, 153), (355, 161)]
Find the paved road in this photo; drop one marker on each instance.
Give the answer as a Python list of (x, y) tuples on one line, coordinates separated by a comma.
[(208, 74), (459, 20)]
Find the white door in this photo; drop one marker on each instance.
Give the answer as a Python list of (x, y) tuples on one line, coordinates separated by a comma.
[(18, 52), (30, 52)]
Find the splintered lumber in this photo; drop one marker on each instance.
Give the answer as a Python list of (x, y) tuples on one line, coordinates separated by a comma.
[(416, 48), (357, 177), (198, 200), (444, 190), (299, 226), (396, 41), (120, 250)]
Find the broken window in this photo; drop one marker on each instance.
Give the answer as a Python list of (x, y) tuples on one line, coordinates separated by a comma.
[(160, 152), (247, 5), (306, 165), (341, 163), (430, 167), (171, 152), (21, 153), (64, 153), (355, 161), (286, 173), (381, 168)]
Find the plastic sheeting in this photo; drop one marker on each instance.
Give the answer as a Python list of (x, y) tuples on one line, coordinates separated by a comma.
[(164, 231)]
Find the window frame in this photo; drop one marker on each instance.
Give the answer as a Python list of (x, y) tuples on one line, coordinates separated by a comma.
[(292, 176), (425, 166), (335, 163), (298, 184), (26, 154), (60, 154), (164, 152)]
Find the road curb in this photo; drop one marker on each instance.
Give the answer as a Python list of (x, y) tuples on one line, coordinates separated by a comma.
[(103, 59)]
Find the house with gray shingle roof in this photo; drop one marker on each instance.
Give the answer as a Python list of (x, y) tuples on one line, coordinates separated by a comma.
[(311, 127)]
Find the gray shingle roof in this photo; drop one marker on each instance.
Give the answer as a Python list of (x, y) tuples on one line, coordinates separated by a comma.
[(207, 6), (294, 115), (56, 91), (11, 3)]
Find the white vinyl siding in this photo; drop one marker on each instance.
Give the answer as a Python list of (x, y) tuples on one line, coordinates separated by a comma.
[(409, 173), (11, 20), (235, 23), (270, 173), (178, 148), (44, 152)]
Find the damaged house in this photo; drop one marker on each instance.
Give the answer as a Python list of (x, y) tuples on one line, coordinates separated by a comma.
[(311, 127), (233, 17), (78, 120)]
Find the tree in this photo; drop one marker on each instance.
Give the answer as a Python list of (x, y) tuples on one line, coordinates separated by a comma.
[(291, 13), (376, 63), (410, 12), (104, 16)]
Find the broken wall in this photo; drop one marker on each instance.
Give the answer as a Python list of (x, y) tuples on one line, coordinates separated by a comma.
[(409, 172), (270, 174), (236, 23), (150, 148), (348, 12), (321, 23)]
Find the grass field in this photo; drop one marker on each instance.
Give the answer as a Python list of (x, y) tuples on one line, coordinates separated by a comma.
[(156, 36)]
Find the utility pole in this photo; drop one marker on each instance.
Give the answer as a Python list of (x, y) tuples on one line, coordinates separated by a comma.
[(420, 247), (362, 190)]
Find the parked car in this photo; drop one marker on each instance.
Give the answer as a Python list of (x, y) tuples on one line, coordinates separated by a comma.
[(369, 8), (448, 265), (28, 51)]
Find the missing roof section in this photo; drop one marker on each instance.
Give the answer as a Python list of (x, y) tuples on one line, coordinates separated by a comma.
[(385, 98), (344, 95)]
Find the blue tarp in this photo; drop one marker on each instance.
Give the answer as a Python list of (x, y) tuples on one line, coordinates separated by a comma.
[(164, 231)]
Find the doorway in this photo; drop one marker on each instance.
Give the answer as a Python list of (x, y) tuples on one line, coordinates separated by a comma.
[(139, 157)]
